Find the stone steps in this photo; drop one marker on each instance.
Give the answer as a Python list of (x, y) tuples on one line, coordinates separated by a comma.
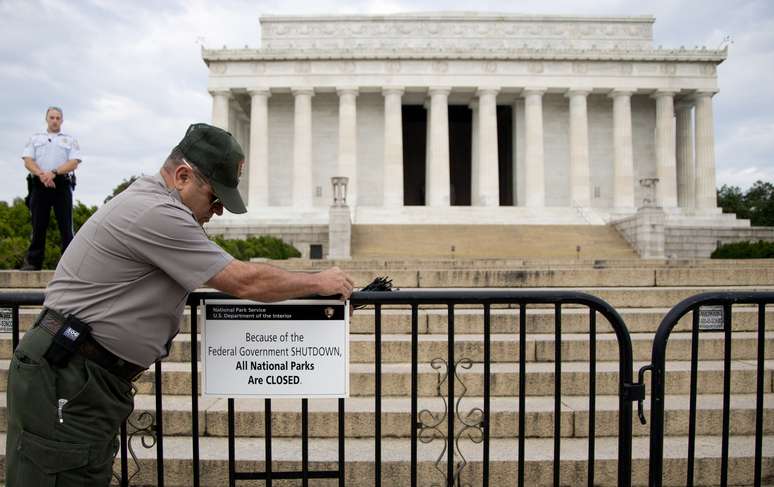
[(508, 274), (504, 241), (642, 294), (544, 264), (359, 422), (505, 347), (397, 320), (396, 378), (395, 467), (619, 297)]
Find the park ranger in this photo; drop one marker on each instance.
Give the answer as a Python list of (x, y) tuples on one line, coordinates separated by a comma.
[(115, 304), (51, 158)]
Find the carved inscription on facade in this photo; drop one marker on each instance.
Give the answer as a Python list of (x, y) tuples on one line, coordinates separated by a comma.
[(442, 31)]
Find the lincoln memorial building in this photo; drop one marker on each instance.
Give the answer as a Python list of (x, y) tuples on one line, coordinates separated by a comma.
[(465, 118)]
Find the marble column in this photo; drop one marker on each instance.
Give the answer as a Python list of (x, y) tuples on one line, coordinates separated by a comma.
[(233, 124), (241, 132), (348, 141), (393, 147), (623, 159), (258, 165), (686, 178), (580, 173), (706, 196), (437, 179), (475, 187), (220, 108), (534, 168), (303, 190), (666, 191), (517, 135), (488, 167)]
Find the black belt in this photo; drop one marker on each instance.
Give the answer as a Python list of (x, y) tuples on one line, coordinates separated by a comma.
[(51, 321)]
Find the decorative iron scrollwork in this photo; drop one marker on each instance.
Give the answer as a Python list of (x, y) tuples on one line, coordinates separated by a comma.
[(143, 426), (428, 422), (472, 421)]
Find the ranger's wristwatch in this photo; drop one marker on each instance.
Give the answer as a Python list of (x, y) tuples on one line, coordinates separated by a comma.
[(54, 172)]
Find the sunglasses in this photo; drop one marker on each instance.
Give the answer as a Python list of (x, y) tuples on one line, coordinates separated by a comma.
[(214, 200)]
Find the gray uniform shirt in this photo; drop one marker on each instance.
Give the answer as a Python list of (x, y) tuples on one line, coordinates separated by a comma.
[(130, 268)]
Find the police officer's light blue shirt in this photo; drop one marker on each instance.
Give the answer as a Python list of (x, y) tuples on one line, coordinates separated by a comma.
[(51, 150)]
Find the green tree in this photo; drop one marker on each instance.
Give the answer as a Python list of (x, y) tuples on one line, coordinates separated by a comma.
[(731, 199), (122, 186), (760, 200), (756, 204)]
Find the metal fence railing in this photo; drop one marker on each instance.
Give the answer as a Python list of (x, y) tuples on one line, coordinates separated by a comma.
[(517, 302), (628, 392), (723, 303)]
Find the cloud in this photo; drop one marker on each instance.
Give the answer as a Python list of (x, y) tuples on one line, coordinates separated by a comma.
[(130, 77)]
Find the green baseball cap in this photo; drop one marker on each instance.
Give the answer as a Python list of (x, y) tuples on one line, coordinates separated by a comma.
[(218, 156)]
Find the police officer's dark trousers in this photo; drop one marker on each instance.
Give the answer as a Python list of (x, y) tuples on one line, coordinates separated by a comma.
[(54, 444), (42, 199)]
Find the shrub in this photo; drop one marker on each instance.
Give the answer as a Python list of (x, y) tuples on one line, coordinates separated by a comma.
[(16, 230), (253, 247), (745, 250)]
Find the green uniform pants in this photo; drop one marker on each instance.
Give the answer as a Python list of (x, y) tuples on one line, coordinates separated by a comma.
[(51, 443)]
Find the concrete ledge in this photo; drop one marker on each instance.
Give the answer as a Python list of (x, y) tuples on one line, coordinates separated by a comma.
[(536, 278), (25, 279), (736, 276)]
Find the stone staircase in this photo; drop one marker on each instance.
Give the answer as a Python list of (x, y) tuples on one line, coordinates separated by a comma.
[(504, 241), (641, 291)]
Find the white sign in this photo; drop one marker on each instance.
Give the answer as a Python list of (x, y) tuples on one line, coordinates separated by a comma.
[(6, 320), (711, 318), (289, 349)]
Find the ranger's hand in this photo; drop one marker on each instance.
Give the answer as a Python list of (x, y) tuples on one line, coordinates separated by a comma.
[(334, 281)]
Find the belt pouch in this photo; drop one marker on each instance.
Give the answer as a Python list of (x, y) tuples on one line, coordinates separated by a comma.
[(65, 343)]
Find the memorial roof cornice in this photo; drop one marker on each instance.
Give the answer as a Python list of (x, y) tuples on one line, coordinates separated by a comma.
[(456, 15), (544, 54)]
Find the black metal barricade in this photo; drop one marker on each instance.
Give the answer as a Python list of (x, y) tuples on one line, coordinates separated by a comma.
[(725, 300), (518, 301), (628, 391)]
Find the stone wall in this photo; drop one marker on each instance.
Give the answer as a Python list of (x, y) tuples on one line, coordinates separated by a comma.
[(698, 242), (645, 232)]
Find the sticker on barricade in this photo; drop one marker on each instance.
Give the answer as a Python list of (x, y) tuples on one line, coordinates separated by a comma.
[(6, 320), (711, 318)]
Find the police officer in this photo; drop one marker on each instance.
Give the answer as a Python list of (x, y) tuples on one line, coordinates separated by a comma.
[(50, 157), (115, 304)]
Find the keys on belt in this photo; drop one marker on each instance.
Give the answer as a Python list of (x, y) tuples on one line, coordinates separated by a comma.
[(88, 348)]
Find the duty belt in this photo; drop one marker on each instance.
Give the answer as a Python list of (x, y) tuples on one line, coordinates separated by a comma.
[(51, 321)]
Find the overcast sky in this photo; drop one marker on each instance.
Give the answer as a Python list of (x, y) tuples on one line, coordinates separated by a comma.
[(130, 77)]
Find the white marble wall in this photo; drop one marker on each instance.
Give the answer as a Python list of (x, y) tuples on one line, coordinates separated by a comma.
[(325, 133), (643, 130)]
